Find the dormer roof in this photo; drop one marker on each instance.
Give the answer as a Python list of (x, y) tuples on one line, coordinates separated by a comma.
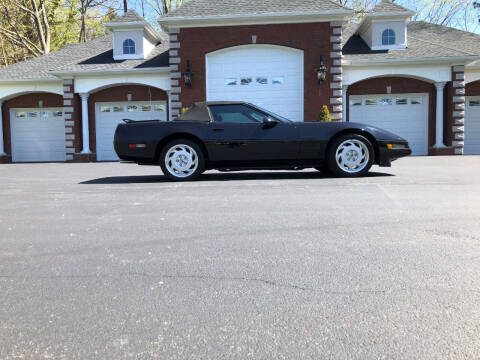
[(130, 16), (386, 6), (131, 19)]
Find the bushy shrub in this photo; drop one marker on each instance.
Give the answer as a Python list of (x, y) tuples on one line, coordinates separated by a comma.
[(324, 114)]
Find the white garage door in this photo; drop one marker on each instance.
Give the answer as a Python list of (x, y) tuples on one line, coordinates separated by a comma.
[(37, 135), (472, 126), (109, 115), (267, 76), (405, 115)]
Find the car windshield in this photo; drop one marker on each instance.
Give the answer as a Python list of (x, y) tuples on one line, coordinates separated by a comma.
[(281, 118)]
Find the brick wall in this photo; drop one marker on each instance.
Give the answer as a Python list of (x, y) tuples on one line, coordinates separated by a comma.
[(456, 115), (70, 110), (315, 39), (472, 89)]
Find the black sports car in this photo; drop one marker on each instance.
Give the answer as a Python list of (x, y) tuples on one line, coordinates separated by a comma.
[(236, 135)]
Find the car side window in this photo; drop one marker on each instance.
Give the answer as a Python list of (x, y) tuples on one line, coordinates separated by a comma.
[(235, 114)]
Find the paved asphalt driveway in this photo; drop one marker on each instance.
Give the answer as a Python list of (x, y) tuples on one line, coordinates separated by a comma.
[(109, 261)]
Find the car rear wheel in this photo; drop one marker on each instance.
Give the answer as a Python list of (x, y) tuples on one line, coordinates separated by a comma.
[(182, 160), (350, 155)]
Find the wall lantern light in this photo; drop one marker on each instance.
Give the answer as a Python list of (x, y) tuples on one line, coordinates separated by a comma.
[(321, 71), (40, 103), (129, 97), (188, 75)]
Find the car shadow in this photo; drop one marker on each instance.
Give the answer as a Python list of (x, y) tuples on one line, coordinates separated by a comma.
[(223, 176)]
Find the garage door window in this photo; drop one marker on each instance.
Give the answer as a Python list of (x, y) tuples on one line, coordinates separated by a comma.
[(262, 80), (356, 102), (105, 108), (277, 80), (245, 81), (371, 102), (118, 109), (230, 82), (417, 101), (146, 107), (159, 107), (131, 108), (401, 101), (386, 101), (474, 103)]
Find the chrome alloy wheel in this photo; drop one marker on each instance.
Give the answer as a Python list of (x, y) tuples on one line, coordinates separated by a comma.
[(181, 160), (352, 156)]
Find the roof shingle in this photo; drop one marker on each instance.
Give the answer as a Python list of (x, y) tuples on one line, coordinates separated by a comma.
[(200, 8), (386, 6), (130, 16), (96, 54), (425, 40)]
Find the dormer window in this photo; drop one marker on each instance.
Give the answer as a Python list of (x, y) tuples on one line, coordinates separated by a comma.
[(388, 37), (128, 46)]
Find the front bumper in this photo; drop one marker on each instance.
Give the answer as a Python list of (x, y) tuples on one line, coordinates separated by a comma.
[(387, 155)]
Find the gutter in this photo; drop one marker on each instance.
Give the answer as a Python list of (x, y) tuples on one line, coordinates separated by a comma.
[(65, 74), (28, 80), (375, 62)]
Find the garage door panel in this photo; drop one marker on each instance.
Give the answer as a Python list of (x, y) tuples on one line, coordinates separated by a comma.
[(37, 135), (409, 120), (281, 71), (472, 126), (106, 121)]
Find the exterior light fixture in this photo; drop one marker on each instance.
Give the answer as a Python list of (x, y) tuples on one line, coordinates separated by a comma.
[(188, 75), (321, 71), (129, 97), (40, 103)]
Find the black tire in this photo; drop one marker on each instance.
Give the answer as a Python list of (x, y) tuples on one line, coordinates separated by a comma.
[(190, 172), (365, 152)]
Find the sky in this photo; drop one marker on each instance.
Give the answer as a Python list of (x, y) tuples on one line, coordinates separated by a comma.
[(463, 20)]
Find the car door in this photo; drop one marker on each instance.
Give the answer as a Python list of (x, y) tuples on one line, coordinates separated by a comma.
[(238, 134)]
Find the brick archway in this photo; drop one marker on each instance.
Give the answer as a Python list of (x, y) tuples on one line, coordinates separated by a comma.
[(120, 93), (400, 85), (31, 100), (472, 88)]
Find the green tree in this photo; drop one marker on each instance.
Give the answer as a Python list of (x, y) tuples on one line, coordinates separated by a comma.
[(31, 28)]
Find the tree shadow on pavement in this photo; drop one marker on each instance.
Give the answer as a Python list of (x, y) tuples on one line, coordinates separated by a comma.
[(224, 176)]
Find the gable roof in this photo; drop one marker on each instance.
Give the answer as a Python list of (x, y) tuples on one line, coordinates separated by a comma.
[(93, 55), (425, 41), (386, 6), (202, 8), (129, 17)]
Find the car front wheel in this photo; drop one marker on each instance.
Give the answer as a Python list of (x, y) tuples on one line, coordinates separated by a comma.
[(350, 155), (182, 160)]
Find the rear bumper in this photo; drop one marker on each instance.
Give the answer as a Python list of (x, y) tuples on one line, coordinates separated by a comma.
[(386, 155)]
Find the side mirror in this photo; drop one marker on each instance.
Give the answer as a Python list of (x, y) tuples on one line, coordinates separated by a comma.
[(269, 123)]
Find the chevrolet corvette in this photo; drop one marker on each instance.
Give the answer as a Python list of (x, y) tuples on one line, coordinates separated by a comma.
[(231, 136)]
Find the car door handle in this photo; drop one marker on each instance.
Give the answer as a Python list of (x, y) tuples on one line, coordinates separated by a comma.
[(218, 129)]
